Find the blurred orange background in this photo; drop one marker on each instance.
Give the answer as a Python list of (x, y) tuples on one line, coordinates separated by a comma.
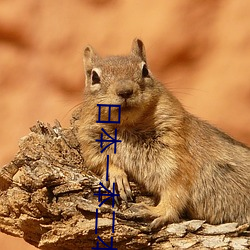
[(200, 49)]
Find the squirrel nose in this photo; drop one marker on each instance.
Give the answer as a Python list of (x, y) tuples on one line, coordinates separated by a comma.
[(125, 93)]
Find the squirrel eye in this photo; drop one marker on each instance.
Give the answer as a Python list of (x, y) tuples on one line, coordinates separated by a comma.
[(95, 78), (145, 72)]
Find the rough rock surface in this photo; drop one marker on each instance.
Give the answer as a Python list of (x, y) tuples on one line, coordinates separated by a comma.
[(200, 49), (47, 198)]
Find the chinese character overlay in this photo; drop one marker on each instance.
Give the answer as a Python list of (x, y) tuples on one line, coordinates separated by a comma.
[(107, 246), (109, 113), (108, 193), (113, 140)]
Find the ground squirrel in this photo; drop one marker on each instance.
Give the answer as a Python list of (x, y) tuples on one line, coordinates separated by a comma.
[(190, 166)]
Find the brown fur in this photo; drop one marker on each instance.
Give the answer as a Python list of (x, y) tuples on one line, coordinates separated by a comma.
[(191, 166)]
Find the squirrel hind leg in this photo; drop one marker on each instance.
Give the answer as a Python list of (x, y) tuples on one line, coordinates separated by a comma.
[(168, 210), (163, 213), (160, 215), (163, 220)]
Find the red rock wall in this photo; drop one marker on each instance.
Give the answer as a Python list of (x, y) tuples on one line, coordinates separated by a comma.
[(200, 49)]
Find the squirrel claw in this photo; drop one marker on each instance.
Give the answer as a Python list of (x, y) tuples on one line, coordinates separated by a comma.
[(119, 177), (138, 207), (141, 209), (158, 223)]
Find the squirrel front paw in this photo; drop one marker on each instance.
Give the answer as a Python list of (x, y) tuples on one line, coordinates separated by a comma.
[(119, 177)]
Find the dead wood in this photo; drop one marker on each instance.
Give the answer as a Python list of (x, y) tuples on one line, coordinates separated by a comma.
[(47, 198)]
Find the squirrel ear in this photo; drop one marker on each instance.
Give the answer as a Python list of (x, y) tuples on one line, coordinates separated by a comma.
[(138, 49), (89, 57)]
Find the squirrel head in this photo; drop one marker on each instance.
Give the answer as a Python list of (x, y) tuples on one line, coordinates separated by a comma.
[(119, 80)]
